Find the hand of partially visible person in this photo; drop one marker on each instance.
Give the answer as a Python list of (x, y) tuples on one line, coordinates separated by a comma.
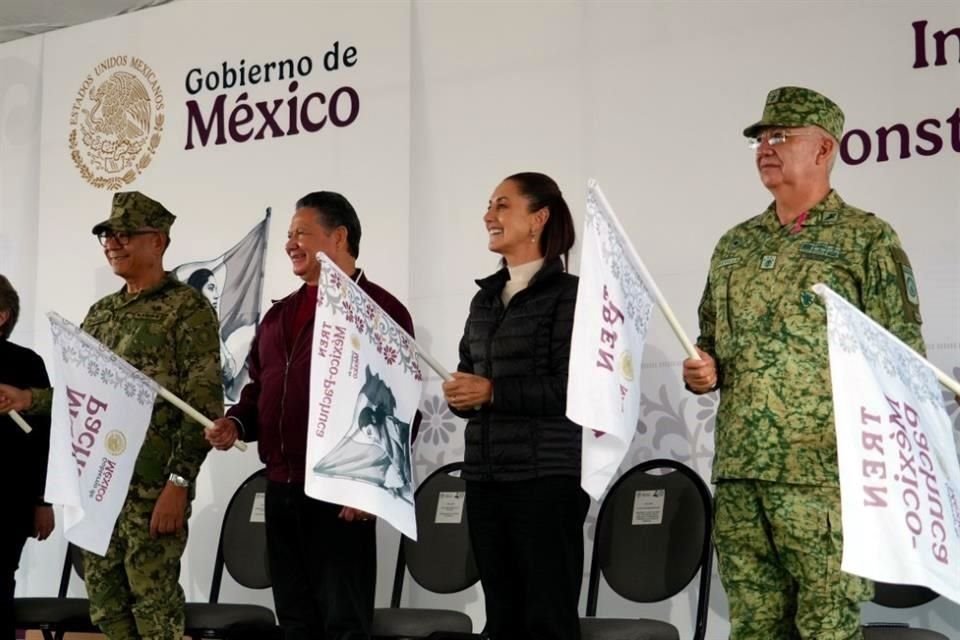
[(14, 399), (354, 515), (222, 435), (700, 375), (43, 521), (467, 391), (170, 511)]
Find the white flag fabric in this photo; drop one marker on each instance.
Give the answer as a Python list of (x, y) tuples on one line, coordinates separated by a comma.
[(365, 384), (899, 473), (609, 330), (101, 411), (233, 283)]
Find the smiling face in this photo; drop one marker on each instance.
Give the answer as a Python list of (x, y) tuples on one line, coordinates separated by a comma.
[(306, 237), (513, 230), (135, 254)]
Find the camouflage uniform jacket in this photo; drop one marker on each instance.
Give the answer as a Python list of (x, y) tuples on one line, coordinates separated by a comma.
[(170, 333), (767, 331)]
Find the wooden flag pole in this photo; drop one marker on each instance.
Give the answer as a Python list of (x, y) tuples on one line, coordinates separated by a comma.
[(647, 278), (193, 413), (430, 360)]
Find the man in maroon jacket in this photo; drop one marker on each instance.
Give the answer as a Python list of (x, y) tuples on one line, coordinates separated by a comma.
[(323, 557)]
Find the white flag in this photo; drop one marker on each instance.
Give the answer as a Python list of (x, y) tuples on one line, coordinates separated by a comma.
[(233, 283), (609, 330), (899, 473), (365, 384), (101, 411)]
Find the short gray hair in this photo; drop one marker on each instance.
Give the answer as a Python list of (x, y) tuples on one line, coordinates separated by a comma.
[(836, 149)]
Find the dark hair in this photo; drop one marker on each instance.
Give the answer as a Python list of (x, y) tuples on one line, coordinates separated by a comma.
[(335, 211), (199, 278), (9, 301), (558, 233)]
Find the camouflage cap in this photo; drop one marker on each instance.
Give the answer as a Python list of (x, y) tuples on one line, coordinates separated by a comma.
[(132, 210), (799, 107)]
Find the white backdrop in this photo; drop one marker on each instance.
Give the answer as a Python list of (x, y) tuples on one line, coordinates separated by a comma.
[(650, 98)]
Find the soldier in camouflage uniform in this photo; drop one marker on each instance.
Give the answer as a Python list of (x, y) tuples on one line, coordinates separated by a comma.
[(763, 345), (169, 331)]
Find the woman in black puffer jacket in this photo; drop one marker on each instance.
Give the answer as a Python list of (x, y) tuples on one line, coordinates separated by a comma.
[(522, 463)]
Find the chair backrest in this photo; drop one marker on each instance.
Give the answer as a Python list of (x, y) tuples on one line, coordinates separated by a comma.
[(243, 538), (441, 560), (902, 596), (73, 561), (653, 536)]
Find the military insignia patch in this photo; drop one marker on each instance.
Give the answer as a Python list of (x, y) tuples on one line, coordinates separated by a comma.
[(767, 262), (908, 283)]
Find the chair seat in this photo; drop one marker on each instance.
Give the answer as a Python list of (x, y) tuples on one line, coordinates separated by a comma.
[(61, 614), (879, 631), (626, 629), (205, 616), (418, 623)]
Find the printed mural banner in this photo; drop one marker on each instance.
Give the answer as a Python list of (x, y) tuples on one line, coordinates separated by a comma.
[(233, 283), (899, 472), (609, 330), (212, 124), (365, 384), (101, 411)]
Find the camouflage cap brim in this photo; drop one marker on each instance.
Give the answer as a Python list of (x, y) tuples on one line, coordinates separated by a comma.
[(799, 107), (110, 225), (757, 127)]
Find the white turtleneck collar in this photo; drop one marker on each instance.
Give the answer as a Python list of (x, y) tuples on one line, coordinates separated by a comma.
[(520, 277)]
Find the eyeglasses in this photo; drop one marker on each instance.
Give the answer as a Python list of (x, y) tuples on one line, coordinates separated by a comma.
[(122, 238), (774, 137)]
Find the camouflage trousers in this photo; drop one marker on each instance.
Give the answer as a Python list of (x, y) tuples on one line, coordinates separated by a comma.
[(134, 590), (779, 549)]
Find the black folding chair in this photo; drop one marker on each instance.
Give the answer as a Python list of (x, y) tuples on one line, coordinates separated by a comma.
[(55, 617), (441, 561), (242, 550), (653, 536), (900, 596)]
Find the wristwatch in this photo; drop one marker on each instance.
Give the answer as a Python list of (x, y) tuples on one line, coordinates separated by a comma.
[(178, 481)]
